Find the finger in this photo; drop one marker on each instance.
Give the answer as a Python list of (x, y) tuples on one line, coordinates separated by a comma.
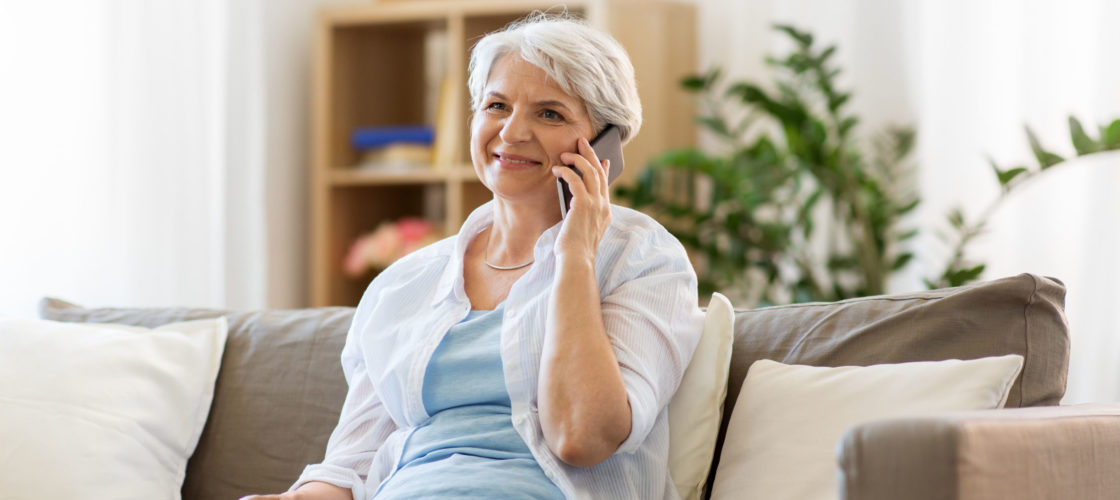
[(575, 183), (591, 177), (585, 149), (593, 159)]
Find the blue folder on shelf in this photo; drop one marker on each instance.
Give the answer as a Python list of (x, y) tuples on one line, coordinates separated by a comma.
[(364, 138)]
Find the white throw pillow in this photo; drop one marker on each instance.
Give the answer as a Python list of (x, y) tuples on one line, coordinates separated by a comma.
[(782, 435), (100, 410), (697, 407)]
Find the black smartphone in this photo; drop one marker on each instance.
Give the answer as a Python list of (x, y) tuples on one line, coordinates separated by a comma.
[(607, 146)]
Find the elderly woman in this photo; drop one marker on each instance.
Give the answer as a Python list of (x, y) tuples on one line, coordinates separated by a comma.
[(531, 355)]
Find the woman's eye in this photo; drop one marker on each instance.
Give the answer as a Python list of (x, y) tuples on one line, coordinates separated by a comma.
[(549, 114), (496, 106)]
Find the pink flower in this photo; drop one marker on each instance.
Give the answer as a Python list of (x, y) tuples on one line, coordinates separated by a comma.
[(383, 246), (355, 263), (415, 233), (389, 242)]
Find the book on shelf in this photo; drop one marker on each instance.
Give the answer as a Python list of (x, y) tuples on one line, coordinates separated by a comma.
[(398, 147), (366, 138)]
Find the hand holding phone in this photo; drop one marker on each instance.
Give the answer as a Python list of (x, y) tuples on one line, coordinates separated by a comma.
[(607, 146)]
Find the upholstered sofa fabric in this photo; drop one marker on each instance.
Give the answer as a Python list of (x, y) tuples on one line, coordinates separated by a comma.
[(1023, 453), (1016, 315), (281, 387), (276, 400)]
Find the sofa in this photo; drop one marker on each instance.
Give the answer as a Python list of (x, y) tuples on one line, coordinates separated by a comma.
[(280, 388)]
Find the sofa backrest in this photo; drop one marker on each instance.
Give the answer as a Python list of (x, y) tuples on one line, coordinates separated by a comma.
[(1021, 314), (280, 389)]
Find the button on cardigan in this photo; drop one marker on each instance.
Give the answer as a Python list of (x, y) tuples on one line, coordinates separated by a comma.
[(649, 304)]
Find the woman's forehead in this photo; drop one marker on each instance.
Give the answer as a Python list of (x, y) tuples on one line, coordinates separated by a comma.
[(512, 74)]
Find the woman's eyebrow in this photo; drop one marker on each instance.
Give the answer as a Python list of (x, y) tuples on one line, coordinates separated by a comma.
[(552, 104)]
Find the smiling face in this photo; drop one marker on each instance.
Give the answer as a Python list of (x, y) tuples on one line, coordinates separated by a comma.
[(523, 123)]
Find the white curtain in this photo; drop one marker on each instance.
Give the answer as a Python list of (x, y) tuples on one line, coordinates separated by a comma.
[(969, 75), (132, 154), (154, 152)]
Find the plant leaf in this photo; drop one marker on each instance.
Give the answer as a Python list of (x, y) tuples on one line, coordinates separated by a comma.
[(909, 206), (803, 38), (825, 54), (805, 213), (838, 100), (1045, 158), (693, 83), (1081, 141), (753, 94), (1006, 176), (962, 276), (1110, 137), (715, 124), (696, 83), (842, 262), (956, 218), (901, 261)]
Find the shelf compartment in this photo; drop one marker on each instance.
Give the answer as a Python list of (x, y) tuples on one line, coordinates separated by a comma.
[(379, 75), (357, 210)]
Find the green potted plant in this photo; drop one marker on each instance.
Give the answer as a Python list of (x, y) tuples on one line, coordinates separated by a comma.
[(793, 205)]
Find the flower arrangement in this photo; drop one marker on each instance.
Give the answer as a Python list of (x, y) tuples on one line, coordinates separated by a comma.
[(377, 249)]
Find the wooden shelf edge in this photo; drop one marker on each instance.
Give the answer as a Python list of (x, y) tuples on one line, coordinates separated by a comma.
[(435, 10), (367, 177)]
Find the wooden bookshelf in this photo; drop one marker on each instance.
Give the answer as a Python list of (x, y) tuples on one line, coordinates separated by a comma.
[(383, 63)]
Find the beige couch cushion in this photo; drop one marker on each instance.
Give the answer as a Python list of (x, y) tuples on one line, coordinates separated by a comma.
[(277, 398)]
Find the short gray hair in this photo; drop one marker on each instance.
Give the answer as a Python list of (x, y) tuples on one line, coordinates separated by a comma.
[(583, 61)]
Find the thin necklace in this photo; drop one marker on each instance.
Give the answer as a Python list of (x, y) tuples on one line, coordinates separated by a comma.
[(486, 258)]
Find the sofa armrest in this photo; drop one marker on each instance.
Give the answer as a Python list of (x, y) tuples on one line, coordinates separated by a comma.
[(1021, 453)]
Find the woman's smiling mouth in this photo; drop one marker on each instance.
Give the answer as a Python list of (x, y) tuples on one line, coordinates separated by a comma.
[(514, 161)]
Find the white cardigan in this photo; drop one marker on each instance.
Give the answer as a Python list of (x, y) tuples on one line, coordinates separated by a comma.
[(650, 310)]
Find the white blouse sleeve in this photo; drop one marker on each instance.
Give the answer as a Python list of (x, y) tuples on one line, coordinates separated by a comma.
[(654, 323), (362, 426)]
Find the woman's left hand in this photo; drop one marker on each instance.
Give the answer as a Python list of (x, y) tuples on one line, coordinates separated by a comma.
[(590, 211)]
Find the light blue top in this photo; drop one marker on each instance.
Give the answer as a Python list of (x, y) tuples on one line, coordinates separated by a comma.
[(469, 447)]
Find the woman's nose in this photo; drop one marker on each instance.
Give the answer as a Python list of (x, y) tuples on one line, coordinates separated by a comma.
[(515, 129)]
